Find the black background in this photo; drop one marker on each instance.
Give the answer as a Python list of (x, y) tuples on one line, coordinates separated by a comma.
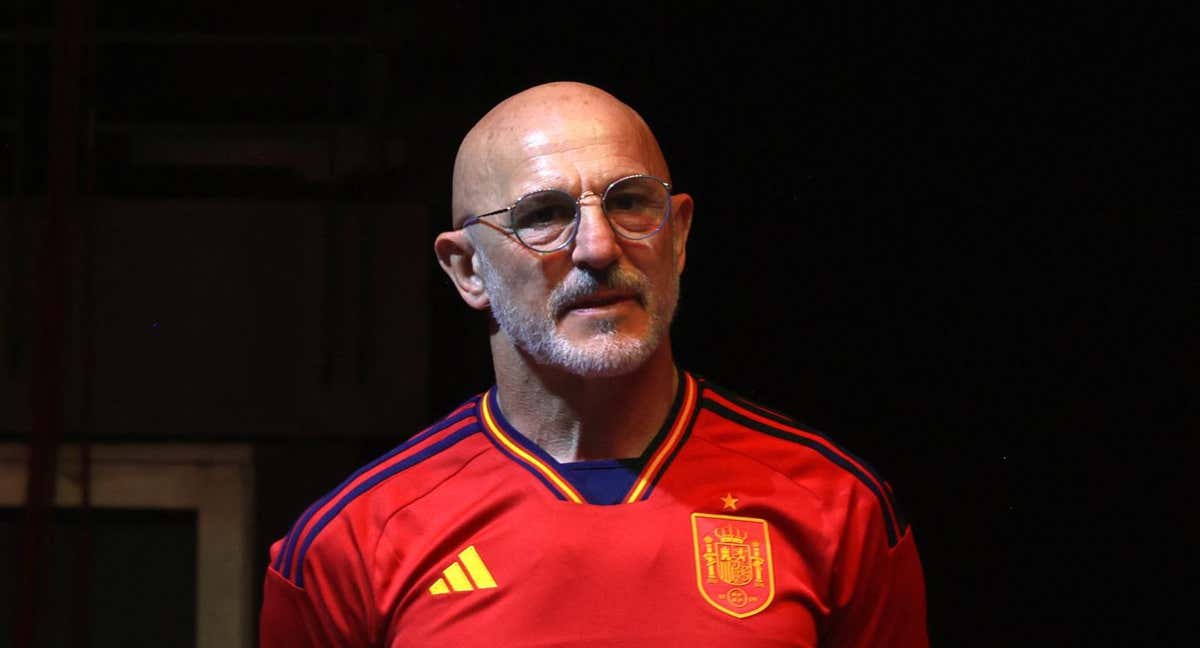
[(958, 239)]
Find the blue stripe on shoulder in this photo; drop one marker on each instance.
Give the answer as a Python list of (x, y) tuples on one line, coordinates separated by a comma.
[(787, 420), (891, 526), (370, 483), (283, 561)]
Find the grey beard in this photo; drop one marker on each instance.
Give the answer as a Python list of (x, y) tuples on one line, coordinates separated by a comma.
[(608, 353)]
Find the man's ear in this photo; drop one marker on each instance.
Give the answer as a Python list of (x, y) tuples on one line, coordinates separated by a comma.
[(455, 251), (681, 225)]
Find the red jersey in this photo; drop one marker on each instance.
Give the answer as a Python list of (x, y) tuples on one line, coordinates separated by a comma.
[(737, 526)]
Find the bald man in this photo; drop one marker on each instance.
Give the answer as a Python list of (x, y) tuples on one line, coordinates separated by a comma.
[(597, 495)]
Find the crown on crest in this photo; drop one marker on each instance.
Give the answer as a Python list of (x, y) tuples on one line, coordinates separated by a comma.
[(730, 534)]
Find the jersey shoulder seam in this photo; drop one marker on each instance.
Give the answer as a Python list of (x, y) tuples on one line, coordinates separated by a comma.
[(424, 493), (765, 421), (453, 429)]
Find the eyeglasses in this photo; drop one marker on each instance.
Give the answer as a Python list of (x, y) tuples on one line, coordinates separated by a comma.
[(636, 206)]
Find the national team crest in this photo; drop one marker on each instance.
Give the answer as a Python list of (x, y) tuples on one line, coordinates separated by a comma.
[(733, 563)]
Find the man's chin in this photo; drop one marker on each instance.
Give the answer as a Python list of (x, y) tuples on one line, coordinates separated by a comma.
[(604, 355)]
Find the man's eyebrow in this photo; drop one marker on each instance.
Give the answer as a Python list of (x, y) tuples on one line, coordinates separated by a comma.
[(561, 183), (558, 183)]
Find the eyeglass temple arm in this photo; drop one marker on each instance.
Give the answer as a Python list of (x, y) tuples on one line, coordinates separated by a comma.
[(479, 219)]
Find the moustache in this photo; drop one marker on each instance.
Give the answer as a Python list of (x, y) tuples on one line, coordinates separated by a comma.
[(581, 283)]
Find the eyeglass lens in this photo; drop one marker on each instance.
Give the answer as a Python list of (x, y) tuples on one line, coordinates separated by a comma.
[(545, 220)]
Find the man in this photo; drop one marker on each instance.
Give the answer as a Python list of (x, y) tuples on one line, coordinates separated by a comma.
[(597, 495)]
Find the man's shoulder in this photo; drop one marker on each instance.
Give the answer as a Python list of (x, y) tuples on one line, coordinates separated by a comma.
[(359, 507), (732, 419), (800, 452)]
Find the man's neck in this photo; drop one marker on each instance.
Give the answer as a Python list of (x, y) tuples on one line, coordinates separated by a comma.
[(574, 418)]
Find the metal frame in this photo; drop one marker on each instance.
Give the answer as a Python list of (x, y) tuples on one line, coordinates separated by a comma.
[(216, 481)]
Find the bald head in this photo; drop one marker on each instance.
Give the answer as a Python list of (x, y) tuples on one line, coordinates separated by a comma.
[(523, 144)]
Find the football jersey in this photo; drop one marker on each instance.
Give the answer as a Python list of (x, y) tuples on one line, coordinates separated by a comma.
[(737, 526)]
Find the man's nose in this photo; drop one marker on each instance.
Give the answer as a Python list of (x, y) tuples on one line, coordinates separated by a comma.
[(596, 244)]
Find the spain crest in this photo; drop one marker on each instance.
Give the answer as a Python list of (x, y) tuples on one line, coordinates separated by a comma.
[(733, 563)]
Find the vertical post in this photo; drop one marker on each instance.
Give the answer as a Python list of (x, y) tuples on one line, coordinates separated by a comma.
[(50, 295), (83, 266), (16, 317)]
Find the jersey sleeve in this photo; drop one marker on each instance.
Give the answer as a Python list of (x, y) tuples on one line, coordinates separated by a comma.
[(331, 608), (880, 588)]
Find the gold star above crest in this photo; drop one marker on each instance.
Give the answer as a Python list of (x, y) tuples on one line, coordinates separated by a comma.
[(730, 502)]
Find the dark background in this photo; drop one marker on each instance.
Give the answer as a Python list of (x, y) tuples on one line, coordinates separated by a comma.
[(958, 239)]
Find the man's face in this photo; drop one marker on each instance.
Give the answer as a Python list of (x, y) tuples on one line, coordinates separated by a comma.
[(591, 324), (602, 306)]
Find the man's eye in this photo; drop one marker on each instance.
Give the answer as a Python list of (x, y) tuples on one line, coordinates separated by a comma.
[(539, 217), (623, 202), (630, 201), (547, 216)]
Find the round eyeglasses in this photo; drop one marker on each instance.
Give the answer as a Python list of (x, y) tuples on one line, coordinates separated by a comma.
[(636, 206)]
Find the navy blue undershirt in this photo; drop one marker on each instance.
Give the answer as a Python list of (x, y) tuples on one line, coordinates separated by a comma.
[(602, 481)]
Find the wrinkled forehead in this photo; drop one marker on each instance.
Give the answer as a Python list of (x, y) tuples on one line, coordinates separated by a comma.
[(563, 142)]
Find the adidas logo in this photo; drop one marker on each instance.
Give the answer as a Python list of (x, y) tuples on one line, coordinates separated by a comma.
[(454, 578)]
